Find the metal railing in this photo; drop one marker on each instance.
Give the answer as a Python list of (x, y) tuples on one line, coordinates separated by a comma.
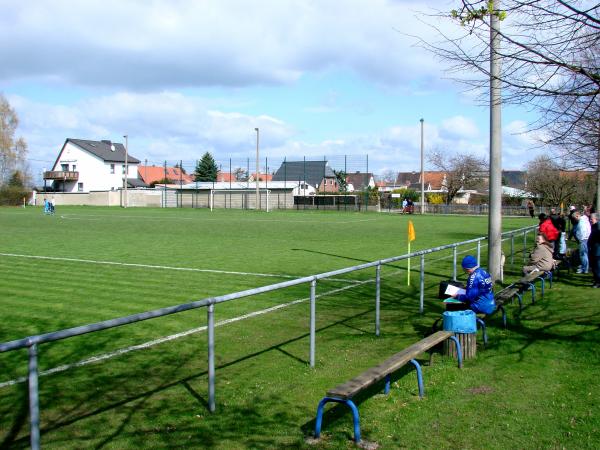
[(32, 342)]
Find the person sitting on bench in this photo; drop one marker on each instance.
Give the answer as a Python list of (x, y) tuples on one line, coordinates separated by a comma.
[(541, 258), (479, 295)]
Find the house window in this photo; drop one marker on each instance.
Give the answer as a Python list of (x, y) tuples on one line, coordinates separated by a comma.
[(65, 167), (112, 168), (74, 168), (123, 169), (79, 187)]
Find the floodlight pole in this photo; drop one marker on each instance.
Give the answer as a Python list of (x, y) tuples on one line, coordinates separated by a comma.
[(422, 172), (126, 170), (257, 171), (495, 172)]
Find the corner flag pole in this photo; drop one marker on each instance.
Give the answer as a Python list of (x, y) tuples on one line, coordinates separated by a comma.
[(411, 237)]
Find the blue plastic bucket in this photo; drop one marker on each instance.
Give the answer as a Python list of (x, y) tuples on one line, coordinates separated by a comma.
[(460, 321)]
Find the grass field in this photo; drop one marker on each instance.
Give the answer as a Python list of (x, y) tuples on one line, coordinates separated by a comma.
[(85, 265)]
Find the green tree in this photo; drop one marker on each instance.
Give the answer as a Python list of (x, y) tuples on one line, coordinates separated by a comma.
[(206, 169), (340, 176), (13, 151)]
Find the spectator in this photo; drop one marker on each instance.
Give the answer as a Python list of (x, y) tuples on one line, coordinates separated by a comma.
[(557, 220), (530, 207), (479, 296), (594, 249), (582, 234), (560, 224), (548, 229), (541, 258), (572, 211)]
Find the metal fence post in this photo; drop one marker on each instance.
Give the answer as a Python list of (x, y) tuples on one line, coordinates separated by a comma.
[(377, 296), (524, 245), (313, 311), (512, 249), (421, 301), (211, 357), (454, 264), (34, 403), (478, 253)]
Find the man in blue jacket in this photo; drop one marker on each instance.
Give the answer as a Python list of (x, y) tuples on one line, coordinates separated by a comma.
[(479, 296)]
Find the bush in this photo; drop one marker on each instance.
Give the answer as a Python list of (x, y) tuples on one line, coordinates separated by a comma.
[(435, 199), (13, 195)]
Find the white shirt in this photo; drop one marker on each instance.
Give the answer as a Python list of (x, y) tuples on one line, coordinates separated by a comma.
[(583, 230)]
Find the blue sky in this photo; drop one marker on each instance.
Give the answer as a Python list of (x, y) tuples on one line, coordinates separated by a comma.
[(180, 77)]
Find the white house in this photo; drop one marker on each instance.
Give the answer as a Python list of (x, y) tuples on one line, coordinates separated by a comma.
[(84, 166)]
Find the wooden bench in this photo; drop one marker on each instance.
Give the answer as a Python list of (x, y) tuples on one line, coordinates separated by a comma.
[(528, 282), (344, 393)]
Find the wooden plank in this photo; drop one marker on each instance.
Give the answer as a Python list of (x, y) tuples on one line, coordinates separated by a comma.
[(350, 388), (531, 277), (468, 344)]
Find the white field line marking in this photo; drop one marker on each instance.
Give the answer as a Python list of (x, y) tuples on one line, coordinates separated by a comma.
[(87, 217), (154, 342), (149, 266), (161, 340)]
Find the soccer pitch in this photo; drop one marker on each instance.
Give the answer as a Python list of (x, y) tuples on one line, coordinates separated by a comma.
[(85, 265)]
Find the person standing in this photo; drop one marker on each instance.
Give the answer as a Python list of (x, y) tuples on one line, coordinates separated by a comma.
[(531, 208), (479, 295), (594, 249), (582, 234), (572, 221)]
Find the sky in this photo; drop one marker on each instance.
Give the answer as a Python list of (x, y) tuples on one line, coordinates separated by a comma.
[(320, 79)]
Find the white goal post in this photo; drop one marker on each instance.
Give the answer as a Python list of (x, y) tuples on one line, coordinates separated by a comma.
[(263, 193)]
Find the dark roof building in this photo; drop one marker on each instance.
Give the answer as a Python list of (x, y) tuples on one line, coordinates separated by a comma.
[(313, 172)]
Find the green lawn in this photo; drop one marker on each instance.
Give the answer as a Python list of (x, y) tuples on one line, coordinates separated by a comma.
[(534, 387)]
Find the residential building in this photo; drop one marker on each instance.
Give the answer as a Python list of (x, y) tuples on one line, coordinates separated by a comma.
[(84, 166), (359, 181), (157, 174), (310, 176)]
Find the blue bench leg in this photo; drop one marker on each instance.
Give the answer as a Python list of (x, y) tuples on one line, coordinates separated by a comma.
[(483, 330), (543, 285), (532, 287), (549, 275), (352, 407), (388, 379), (503, 311), (419, 377), (520, 300), (458, 351)]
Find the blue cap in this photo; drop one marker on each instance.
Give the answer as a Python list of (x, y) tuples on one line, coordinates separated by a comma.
[(469, 262)]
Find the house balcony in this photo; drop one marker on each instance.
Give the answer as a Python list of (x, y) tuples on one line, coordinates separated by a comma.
[(61, 175)]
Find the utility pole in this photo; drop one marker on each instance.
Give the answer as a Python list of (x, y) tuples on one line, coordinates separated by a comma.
[(495, 178), (422, 171), (126, 170), (257, 172)]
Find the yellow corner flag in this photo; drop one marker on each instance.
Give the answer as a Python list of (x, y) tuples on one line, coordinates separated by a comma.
[(411, 237), (411, 231)]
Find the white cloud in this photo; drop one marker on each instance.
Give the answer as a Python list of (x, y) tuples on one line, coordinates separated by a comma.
[(167, 44), (459, 127)]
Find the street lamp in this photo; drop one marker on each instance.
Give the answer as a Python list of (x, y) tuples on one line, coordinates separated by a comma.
[(126, 171), (422, 171), (257, 171)]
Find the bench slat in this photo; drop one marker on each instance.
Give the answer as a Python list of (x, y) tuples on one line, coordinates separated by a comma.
[(350, 388)]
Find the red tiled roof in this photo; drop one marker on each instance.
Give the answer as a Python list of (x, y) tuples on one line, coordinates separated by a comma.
[(263, 176), (152, 174), (226, 177)]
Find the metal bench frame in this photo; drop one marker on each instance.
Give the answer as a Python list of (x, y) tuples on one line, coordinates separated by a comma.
[(354, 409)]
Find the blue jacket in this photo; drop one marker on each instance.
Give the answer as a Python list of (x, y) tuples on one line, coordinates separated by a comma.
[(479, 295)]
